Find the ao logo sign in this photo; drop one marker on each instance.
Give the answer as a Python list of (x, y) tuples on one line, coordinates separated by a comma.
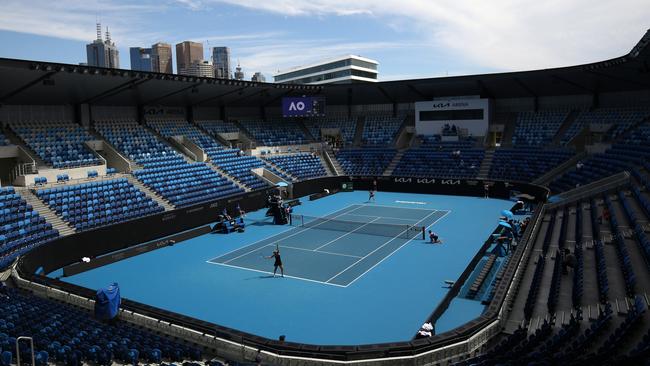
[(297, 106)]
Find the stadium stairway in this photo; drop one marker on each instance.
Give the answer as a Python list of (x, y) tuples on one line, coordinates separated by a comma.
[(509, 121), (245, 132), (16, 140), (568, 121), (44, 211), (329, 158), (279, 169), (559, 170), (358, 132), (306, 131), (215, 168), (393, 164), (108, 146), (148, 191), (405, 136), (486, 164), (325, 164), (172, 145)]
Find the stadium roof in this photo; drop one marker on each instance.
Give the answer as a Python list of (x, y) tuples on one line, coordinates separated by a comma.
[(35, 82)]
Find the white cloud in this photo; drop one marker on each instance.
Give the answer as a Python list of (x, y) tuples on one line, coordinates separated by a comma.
[(500, 34), (75, 20)]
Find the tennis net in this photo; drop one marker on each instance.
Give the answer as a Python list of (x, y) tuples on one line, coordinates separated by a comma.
[(369, 228)]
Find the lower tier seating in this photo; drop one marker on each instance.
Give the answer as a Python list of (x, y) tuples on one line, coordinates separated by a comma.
[(21, 228), (91, 205), (432, 162), (301, 165), (369, 161), (67, 335)]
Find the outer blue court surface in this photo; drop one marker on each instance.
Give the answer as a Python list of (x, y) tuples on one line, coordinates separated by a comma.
[(356, 286)]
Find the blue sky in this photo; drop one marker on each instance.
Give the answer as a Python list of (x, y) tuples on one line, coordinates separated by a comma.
[(409, 38)]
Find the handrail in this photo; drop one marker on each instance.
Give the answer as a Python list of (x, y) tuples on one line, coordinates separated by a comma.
[(605, 184), (329, 161), (31, 343), (548, 176)]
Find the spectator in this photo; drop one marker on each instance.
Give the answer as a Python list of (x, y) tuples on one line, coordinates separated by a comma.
[(224, 212), (604, 217), (239, 211)]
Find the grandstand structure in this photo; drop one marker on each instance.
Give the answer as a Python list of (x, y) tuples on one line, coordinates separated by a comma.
[(96, 161)]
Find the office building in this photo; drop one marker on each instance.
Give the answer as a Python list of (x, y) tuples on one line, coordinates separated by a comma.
[(221, 62), (202, 68), (188, 53), (342, 70), (258, 77), (141, 59), (161, 54), (103, 53)]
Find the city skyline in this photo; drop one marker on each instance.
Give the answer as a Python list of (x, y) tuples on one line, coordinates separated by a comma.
[(411, 39)]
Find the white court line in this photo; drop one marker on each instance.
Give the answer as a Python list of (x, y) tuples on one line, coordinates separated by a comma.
[(346, 234), (383, 217), (400, 208), (271, 273), (396, 250), (294, 234), (412, 202), (274, 236), (314, 251), (381, 246)]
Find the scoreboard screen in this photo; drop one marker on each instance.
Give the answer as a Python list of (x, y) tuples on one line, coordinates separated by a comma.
[(303, 107)]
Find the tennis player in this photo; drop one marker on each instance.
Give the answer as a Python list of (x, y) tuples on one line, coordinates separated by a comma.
[(371, 196), (278, 262), (433, 238)]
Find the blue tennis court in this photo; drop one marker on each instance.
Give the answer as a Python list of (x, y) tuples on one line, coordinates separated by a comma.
[(342, 287), (338, 248)]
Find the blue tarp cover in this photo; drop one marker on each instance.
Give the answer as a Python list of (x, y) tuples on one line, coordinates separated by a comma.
[(107, 302)]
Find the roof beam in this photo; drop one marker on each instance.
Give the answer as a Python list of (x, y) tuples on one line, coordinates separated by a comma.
[(573, 83), (250, 95), (385, 93), (220, 95), (282, 95), (483, 89), (525, 87), (27, 86), (419, 93), (114, 90), (172, 93)]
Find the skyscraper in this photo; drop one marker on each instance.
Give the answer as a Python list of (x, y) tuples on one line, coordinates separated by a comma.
[(161, 54), (141, 59), (103, 53), (239, 74), (258, 77), (221, 62), (188, 53)]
